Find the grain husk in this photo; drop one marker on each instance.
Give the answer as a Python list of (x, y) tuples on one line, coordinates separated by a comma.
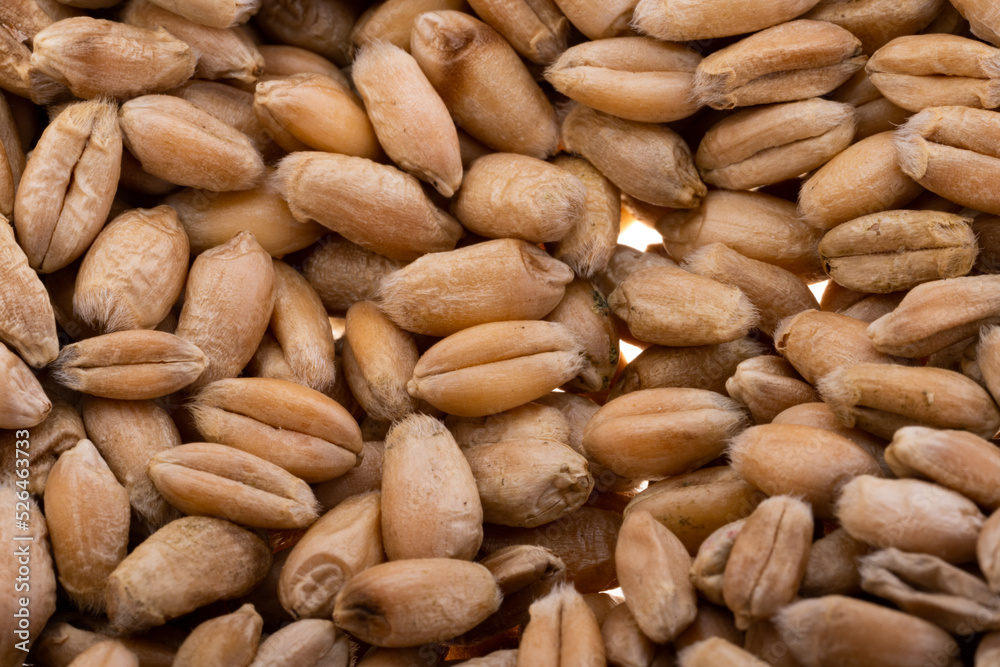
[(656, 433), (212, 218), (875, 22), (669, 306), (36, 550), (88, 520), (951, 151), (772, 143), (802, 461), (297, 428), (652, 566), (379, 359), (336, 191), (910, 515), (636, 78), (402, 603), (223, 53), (208, 479), (650, 162), (768, 386), (524, 574), (505, 195), (344, 541), (484, 84), (528, 482), (817, 343), (695, 505), (23, 402), (894, 251), (699, 367), (493, 367), (76, 51), (920, 71), (186, 564), (562, 632), (836, 630), (229, 638), (301, 327), (308, 643), (134, 271), (298, 111), (128, 434), (684, 20), (768, 559), (213, 13), (61, 429), (832, 568), (865, 178), (954, 459), (68, 185), (883, 397), (717, 652), (791, 61), (935, 315), (503, 279), (183, 144), (420, 137), (773, 291), (929, 588), (130, 365), (28, 320), (430, 504), (589, 245), (228, 330), (755, 224), (392, 21)]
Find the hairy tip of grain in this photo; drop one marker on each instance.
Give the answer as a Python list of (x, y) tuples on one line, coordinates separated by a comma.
[(987, 336), (580, 359), (838, 394), (744, 316), (370, 57), (243, 10), (107, 120), (589, 257), (710, 90), (693, 259), (781, 331), (283, 176), (66, 356), (414, 425), (103, 309), (311, 507), (389, 285), (910, 145), (315, 373), (742, 421), (785, 621), (569, 196), (736, 449), (845, 495), (645, 12), (991, 67)]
